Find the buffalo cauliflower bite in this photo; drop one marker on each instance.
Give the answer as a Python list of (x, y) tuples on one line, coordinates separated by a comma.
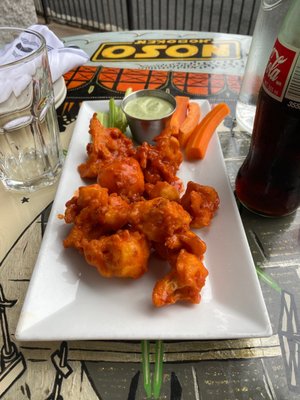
[(123, 254)]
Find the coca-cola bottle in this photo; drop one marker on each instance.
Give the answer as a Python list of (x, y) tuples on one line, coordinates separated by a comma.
[(268, 181)]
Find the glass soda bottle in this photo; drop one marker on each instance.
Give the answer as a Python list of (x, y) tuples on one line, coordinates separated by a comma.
[(268, 181)]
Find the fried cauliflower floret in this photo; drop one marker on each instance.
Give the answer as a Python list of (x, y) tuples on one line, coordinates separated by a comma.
[(95, 212), (77, 237), (201, 202), (123, 254), (187, 240), (122, 176), (169, 147), (182, 283), (162, 189), (161, 162), (85, 201), (106, 144), (159, 218)]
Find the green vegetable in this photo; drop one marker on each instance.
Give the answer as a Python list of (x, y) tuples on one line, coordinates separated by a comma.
[(103, 118), (146, 367), (152, 389), (114, 117), (158, 369)]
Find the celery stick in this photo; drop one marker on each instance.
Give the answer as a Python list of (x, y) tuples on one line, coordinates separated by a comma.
[(112, 113), (114, 118), (103, 118), (128, 91)]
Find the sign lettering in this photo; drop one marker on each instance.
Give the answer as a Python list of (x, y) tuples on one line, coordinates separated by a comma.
[(167, 50)]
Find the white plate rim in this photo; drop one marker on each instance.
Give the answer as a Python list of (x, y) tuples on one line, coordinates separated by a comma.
[(60, 91)]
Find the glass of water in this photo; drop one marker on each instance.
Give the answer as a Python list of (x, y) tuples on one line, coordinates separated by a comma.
[(30, 150), (270, 16)]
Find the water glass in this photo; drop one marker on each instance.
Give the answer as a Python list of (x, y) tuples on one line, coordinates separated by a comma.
[(270, 16), (30, 151)]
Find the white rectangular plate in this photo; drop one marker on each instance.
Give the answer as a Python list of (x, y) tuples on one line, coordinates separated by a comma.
[(68, 299)]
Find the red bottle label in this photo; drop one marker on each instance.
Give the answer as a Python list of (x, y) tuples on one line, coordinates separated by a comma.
[(279, 70)]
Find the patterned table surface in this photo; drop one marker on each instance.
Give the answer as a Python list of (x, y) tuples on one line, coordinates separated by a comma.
[(201, 65)]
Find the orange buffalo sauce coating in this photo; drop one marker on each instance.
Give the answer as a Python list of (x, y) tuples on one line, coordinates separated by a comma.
[(134, 206)]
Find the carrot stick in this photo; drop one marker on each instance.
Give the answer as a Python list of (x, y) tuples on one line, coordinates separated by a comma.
[(179, 114), (189, 124), (197, 144)]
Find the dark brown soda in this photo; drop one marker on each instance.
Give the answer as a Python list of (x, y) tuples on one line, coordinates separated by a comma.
[(268, 182)]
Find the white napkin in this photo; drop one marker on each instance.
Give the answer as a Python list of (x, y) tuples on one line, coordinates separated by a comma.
[(61, 60)]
